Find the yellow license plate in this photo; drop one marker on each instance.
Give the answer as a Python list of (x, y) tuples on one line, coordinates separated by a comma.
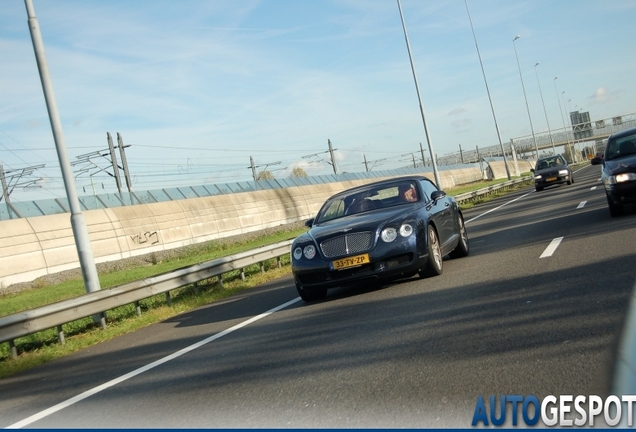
[(551, 179), (352, 261)]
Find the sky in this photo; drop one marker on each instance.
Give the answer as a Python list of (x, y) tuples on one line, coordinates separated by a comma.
[(198, 87)]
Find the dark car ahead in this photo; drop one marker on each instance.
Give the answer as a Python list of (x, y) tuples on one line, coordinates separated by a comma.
[(551, 170), (618, 172), (380, 231)]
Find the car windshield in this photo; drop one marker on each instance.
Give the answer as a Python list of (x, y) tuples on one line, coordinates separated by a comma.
[(550, 162), (621, 147), (364, 200)]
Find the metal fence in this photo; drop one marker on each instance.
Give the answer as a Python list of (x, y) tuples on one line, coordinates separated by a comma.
[(15, 210)]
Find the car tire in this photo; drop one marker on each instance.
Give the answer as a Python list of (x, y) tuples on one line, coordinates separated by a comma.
[(461, 250), (614, 209), (434, 265), (309, 296), (538, 188)]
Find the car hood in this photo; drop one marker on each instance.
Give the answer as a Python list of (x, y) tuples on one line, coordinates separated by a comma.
[(618, 166), (369, 221)]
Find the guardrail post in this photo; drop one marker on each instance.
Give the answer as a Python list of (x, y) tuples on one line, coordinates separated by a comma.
[(60, 335), (279, 262), (262, 267), (102, 320), (220, 281), (138, 308), (168, 299), (242, 274), (14, 350)]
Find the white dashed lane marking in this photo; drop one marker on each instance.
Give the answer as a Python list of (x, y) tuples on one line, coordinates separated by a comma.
[(554, 244)]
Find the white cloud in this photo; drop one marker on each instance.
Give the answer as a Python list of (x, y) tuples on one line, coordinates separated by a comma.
[(457, 111), (603, 96)]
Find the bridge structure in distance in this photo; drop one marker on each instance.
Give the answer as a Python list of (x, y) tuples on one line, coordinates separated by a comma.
[(586, 134)]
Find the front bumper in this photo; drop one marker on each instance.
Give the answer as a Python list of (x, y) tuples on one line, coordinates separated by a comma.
[(386, 262), (546, 181), (622, 193)]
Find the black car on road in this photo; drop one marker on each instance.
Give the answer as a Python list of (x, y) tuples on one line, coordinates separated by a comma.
[(380, 231), (551, 170), (618, 172)]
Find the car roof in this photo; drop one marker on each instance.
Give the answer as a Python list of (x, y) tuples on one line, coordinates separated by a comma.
[(378, 183)]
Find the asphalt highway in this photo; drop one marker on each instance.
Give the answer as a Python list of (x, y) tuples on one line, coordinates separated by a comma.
[(535, 309)]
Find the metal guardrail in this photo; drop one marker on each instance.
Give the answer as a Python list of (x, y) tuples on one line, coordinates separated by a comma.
[(96, 303), (490, 189)]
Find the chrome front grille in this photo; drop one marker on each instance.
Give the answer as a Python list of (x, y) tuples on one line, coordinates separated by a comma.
[(347, 244)]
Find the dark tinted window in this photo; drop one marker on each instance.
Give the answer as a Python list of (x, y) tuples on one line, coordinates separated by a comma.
[(620, 147)]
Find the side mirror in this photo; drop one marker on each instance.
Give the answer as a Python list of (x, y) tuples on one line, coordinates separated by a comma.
[(438, 194), (531, 170), (596, 161), (309, 222)]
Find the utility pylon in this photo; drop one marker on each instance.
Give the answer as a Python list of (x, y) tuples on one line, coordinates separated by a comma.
[(3, 181), (113, 159), (11, 179), (333, 160), (124, 162)]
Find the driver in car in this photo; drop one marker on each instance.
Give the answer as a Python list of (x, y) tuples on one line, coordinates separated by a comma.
[(408, 192)]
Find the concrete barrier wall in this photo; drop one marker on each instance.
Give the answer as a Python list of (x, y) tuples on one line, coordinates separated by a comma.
[(33, 247), (498, 168)]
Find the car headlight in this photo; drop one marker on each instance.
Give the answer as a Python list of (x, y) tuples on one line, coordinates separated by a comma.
[(406, 230), (537, 177), (309, 251), (621, 178), (298, 252), (388, 234), (563, 172)]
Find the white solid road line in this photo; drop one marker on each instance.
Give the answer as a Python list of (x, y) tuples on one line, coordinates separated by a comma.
[(95, 390), (497, 208), (551, 247)]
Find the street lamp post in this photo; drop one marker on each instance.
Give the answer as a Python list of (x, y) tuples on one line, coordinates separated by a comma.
[(78, 223), (419, 98), (536, 147), (544, 110), (492, 107), (565, 131), (570, 117)]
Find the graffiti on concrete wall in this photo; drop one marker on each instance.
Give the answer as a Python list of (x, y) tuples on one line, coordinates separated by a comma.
[(148, 237)]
